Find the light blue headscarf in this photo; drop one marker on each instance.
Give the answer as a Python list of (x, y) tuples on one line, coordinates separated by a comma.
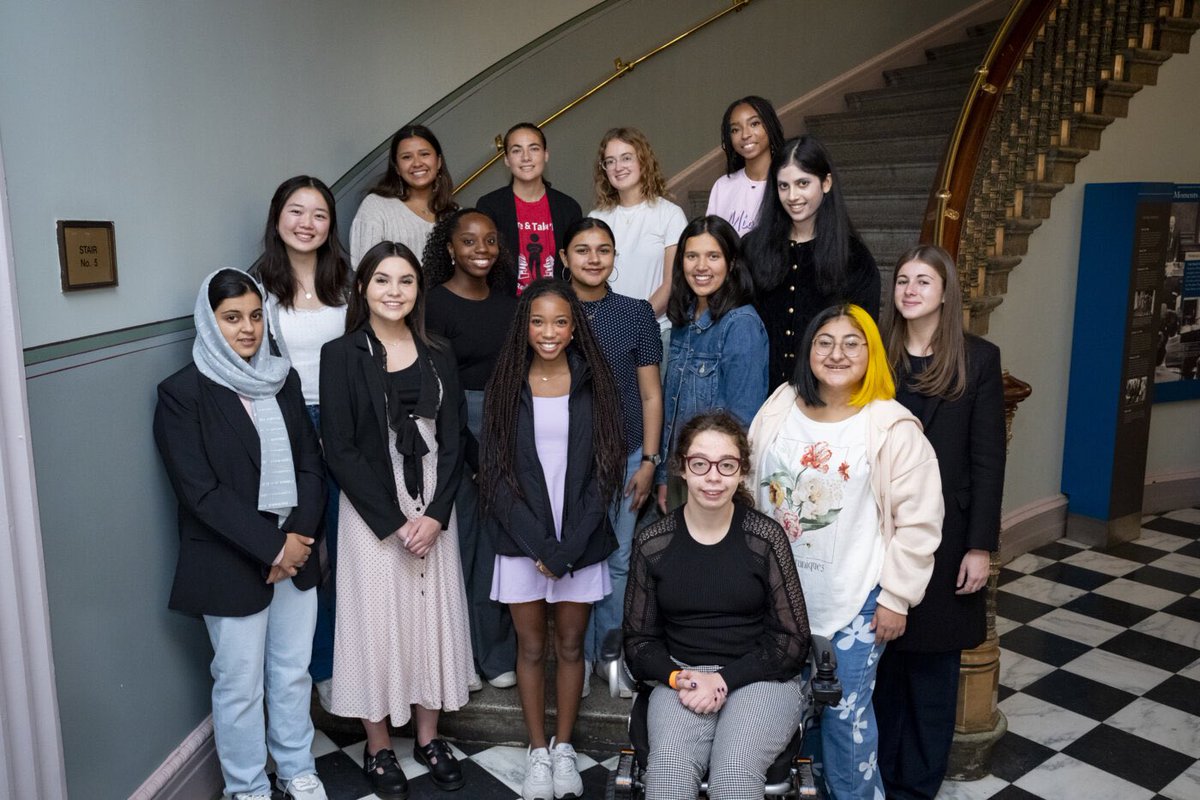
[(260, 380)]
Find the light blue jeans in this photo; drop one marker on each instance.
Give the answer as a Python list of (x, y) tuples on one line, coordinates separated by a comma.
[(607, 613), (264, 652), (847, 749)]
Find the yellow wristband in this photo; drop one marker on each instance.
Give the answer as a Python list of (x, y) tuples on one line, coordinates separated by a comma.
[(671, 680)]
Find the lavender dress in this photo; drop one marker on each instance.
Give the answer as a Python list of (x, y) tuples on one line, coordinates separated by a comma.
[(516, 579)]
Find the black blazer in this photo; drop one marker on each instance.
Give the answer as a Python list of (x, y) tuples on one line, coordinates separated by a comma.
[(524, 526), (501, 206), (354, 429), (969, 438), (211, 451)]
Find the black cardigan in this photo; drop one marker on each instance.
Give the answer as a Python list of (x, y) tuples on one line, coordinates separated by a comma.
[(524, 526), (354, 429), (501, 206), (968, 436)]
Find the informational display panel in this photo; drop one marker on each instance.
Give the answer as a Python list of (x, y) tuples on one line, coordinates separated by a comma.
[(1177, 357)]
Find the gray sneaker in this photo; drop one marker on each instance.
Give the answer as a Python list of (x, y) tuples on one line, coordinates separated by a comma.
[(568, 785), (539, 776), (305, 787)]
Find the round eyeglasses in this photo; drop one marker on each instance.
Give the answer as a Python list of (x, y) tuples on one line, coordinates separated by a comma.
[(851, 347), (699, 465)]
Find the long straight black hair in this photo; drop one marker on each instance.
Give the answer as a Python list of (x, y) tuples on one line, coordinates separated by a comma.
[(771, 124), (767, 246), (736, 290)]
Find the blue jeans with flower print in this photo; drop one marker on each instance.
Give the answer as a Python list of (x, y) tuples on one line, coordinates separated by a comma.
[(848, 747)]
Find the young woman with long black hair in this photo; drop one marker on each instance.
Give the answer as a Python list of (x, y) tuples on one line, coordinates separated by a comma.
[(951, 381), (552, 463), (804, 253)]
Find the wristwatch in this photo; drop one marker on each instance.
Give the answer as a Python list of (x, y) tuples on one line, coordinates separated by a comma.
[(654, 459)]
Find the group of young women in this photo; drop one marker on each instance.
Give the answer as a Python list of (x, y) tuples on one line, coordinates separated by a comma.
[(463, 421)]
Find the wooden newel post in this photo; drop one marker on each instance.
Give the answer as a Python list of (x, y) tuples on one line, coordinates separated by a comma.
[(978, 723)]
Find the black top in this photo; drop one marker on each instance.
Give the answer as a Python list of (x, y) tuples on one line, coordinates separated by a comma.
[(501, 206), (523, 524), (787, 309), (476, 328), (629, 338), (354, 428), (211, 451), (968, 437), (736, 604)]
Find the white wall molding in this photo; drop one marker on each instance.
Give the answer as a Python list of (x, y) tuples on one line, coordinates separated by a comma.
[(1171, 489), (1031, 526), (191, 772)]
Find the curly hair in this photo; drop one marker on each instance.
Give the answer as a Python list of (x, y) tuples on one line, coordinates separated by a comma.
[(438, 264), (504, 391), (653, 184), (717, 422)]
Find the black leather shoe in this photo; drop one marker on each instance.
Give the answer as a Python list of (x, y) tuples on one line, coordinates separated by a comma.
[(383, 770), (443, 767)]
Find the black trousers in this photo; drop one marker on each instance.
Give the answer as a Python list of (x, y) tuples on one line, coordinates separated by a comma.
[(915, 699)]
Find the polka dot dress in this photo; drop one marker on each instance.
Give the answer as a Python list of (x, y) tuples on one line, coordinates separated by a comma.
[(401, 634)]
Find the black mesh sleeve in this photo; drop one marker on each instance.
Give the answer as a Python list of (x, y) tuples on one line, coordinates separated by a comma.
[(645, 640)]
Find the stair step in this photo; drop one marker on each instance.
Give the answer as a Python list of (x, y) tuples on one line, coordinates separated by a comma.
[(893, 150), (930, 74), (846, 125), (1174, 34), (1141, 65), (882, 210), (906, 98), (970, 52), (887, 177), (888, 243)]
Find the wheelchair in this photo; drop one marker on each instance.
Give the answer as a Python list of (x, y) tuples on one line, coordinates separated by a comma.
[(790, 776)]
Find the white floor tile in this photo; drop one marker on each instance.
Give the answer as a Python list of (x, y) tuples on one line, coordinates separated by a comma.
[(506, 764), (1191, 515), (1117, 671), (1042, 590), (1192, 672), (1061, 776), (1028, 563), (1044, 723), (1003, 625), (981, 789), (1178, 562), (1186, 786), (611, 763), (1018, 671), (1076, 627), (322, 745), (1139, 594), (1162, 724), (1160, 540), (1102, 562), (1172, 628)]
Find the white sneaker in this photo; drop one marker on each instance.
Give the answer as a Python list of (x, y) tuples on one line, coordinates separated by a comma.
[(251, 796), (325, 693), (476, 683), (539, 776), (587, 679), (567, 783), (306, 787), (505, 680)]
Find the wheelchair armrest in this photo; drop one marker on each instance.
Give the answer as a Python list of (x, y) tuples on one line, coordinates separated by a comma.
[(612, 662), (826, 688)]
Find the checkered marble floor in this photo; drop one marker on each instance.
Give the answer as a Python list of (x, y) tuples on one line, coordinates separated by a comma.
[(1099, 680)]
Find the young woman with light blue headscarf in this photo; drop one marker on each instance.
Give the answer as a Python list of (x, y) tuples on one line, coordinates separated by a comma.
[(246, 467)]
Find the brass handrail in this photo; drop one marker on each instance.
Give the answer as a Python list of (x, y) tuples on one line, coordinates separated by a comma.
[(621, 67), (948, 200)]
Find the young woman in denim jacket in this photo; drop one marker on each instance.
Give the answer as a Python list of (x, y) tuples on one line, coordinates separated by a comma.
[(718, 353)]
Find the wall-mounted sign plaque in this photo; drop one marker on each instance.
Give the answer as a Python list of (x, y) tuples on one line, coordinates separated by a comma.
[(87, 254)]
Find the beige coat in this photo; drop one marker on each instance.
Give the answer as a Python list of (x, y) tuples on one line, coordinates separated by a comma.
[(905, 482)]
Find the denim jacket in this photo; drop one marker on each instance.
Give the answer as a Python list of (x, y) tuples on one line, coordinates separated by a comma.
[(714, 366)]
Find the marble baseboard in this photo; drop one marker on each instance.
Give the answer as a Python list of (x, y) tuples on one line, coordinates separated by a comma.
[(191, 772), (1168, 490)]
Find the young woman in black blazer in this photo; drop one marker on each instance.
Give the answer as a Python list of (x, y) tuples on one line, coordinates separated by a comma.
[(951, 381), (244, 461), (392, 420)]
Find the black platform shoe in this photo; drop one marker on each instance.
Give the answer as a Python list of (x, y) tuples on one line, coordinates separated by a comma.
[(443, 767), (389, 783)]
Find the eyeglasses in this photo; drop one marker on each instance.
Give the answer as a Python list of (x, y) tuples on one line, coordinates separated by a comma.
[(624, 160), (851, 347), (699, 465)]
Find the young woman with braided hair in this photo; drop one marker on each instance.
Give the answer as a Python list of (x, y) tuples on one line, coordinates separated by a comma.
[(552, 461)]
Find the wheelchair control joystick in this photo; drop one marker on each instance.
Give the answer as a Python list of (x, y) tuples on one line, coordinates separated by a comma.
[(826, 688)]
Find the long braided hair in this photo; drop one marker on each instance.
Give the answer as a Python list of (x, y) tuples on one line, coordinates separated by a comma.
[(507, 385)]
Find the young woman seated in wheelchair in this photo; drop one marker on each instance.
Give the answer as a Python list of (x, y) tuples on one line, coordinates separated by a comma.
[(714, 613)]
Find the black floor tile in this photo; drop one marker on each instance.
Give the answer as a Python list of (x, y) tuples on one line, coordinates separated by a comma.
[(1008, 576), (1079, 694), (1003, 693), (1042, 646), (1151, 650), (1015, 755), (481, 785), (1188, 608), (1108, 609), (1173, 526), (1056, 551), (1019, 609), (1165, 579), (595, 781), (1132, 551), (1192, 550), (1133, 758), (1014, 793), (1072, 575), (1178, 692), (344, 736), (343, 779)]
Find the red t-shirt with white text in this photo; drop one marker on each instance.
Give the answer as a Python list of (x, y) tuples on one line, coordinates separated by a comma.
[(535, 235)]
